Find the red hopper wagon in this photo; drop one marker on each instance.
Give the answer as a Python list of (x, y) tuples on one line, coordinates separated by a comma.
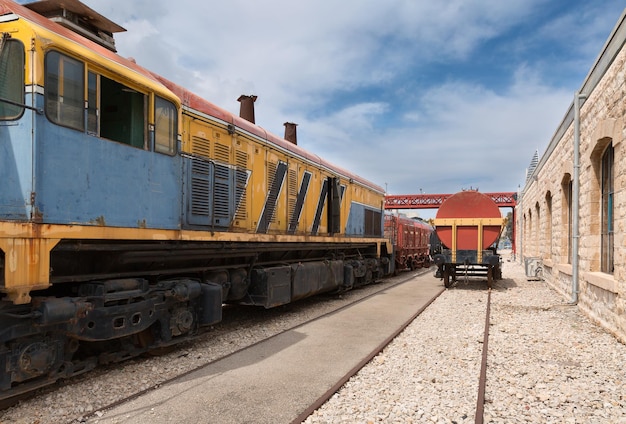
[(468, 224), (411, 242)]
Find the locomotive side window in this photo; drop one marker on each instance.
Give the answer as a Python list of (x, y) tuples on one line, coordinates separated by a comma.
[(93, 81), (123, 113), (65, 90), (11, 78), (78, 97), (165, 126)]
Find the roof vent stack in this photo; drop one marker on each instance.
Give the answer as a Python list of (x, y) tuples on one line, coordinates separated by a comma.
[(290, 132), (246, 110), (77, 17)]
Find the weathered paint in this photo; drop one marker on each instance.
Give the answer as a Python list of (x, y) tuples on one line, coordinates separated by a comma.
[(67, 184), (26, 266), (82, 179), (468, 220)]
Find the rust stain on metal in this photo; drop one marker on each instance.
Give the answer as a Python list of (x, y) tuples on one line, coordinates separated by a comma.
[(27, 266), (99, 221)]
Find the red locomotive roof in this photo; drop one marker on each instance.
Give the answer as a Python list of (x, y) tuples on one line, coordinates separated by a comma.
[(9, 6), (197, 103), (187, 98)]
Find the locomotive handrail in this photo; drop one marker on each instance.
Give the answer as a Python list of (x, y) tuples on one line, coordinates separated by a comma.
[(38, 110)]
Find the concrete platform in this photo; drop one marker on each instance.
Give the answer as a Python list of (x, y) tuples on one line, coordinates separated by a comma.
[(276, 380)]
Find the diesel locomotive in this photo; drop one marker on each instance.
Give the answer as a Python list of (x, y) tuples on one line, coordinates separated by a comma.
[(132, 210)]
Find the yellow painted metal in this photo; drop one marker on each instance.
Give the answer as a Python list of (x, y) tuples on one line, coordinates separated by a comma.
[(26, 266), (12, 230), (27, 247), (468, 222), (39, 40), (209, 138)]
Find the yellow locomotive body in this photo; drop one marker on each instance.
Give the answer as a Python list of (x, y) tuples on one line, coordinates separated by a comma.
[(133, 209)]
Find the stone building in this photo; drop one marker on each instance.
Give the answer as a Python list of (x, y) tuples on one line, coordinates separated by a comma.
[(571, 212)]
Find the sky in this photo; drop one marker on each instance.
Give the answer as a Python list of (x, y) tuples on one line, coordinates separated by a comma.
[(416, 96)]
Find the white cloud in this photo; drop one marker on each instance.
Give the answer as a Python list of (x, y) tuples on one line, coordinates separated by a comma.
[(393, 123)]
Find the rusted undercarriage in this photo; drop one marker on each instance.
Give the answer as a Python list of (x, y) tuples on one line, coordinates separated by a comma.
[(110, 301)]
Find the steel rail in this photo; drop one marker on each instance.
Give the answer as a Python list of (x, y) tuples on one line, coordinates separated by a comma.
[(334, 389), (482, 380), (135, 395)]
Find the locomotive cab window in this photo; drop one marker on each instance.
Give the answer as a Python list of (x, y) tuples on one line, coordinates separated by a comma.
[(165, 126), (65, 90), (78, 97), (123, 113), (11, 78)]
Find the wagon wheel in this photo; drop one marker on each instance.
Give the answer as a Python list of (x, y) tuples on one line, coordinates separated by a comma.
[(489, 275), (397, 266), (446, 277), (498, 273)]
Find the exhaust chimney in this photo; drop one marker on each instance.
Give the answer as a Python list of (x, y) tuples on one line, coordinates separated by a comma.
[(246, 110), (290, 132)]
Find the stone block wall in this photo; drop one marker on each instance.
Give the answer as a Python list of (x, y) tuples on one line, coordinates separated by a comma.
[(543, 211)]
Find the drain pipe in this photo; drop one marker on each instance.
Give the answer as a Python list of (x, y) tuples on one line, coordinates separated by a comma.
[(576, 197)]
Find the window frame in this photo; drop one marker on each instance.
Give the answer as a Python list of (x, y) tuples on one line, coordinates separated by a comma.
[(172, 126), (62, 113), (94, 78), (14, 102), (607, 217)]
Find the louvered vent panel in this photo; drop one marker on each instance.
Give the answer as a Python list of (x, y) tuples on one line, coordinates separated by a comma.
[(222, 153), (201, 146), (292, 183), (271, 173), (221, 205), (200, 197), (241, 183)]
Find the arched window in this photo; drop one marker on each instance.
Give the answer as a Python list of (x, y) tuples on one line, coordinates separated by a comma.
[(607, 211), (538, 238), (567, 191), (548, 231)]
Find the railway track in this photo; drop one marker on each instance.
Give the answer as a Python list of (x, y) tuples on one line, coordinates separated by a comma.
[(328, 394), (482, 378), (76, 399), (467, 293)]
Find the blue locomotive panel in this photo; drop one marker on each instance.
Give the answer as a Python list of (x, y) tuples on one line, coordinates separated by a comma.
[(76, 178), (15, 170), (82, 179), (364, 221)]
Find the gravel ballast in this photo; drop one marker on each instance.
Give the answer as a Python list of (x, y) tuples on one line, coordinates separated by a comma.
[(70, 401), (547, 363)]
